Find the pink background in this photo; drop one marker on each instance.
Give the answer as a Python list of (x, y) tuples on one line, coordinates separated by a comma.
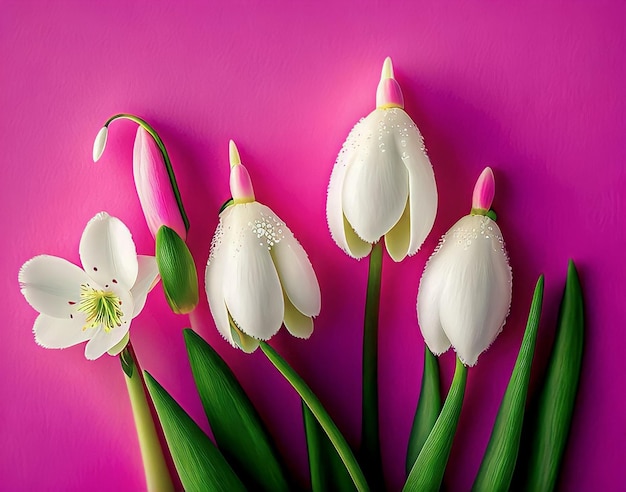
[(534, 89)]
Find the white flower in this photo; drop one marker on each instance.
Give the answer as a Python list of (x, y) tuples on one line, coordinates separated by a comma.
[(465, 292), (96, 304), (382, 183), (257, 276)]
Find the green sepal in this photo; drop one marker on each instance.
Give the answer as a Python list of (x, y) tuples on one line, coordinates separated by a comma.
[(199, 463), (428, 408), (177, 270), (430, 466), (225, 205), (328, 474), (128, 364), (238, 430), (498, 465), (548, 427)]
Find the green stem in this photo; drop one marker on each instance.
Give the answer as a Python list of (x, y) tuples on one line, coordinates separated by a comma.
[(428, 470), (370, 436), (166, 158), (320, 413), (158, 477)]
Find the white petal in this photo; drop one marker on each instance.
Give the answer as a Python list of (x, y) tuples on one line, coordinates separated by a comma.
[(147, 277), (214, 279), (102, 341), (422, 186), (107, 251), (398, 239), (298, 324), (340, 230), (475, 281), (52, 285), (58, 333), (428, 306), (375, 187), (296, 273), (121, 345), (241, 340), (252, 290)]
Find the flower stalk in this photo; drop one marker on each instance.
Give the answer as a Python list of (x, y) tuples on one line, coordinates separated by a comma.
[(158, 478)]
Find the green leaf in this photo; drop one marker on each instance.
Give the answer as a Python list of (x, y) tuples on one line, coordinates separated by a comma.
[(177, 270), (237, 428), (320, 413), (558, 394), (428, 409), (199, 463), (498, 465), (427, 472), (328, 474)]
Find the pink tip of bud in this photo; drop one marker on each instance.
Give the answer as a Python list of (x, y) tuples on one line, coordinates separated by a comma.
[(154, 188), (484, 190), (241, 184), (388, 93)]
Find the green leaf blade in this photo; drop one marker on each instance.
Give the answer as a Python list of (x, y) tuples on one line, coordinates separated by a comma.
[(238, 430), (199, 463)]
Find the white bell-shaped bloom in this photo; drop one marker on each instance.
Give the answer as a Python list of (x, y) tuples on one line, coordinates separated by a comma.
[(96, 304), (382, 183), (465, 292), (258, 276)]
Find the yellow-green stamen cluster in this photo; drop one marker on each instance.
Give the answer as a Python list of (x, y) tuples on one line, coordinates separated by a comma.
[(101, 307)]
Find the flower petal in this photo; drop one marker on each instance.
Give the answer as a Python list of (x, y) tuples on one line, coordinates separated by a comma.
[(240, 339), (252, 292), (422, 187), (398, 239), (475, 285), (214, 280), (147, 278), (296, 273), (51, 285), (58, 333), (375, 187), (298, 324), (340, 230), (108, 253), (121, 345)]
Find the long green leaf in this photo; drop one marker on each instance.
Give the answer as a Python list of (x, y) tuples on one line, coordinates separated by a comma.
[(428, 408), (496, 469), (328, 474), (427, 472), (320, 413), (199, 463), (237, 427), (558, 395)]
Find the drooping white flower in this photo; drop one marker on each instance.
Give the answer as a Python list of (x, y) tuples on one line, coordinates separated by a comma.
[(258, 276), (465, 292), (95, 304), (382, 183)]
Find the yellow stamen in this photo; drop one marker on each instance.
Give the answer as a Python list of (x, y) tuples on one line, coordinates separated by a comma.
[(102, 307)]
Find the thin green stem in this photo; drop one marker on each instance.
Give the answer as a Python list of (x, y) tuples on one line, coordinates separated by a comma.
[(168, 164), (370, 436), (320, 413), (158, 477)]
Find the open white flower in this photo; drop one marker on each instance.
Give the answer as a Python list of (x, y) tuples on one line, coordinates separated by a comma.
[(382, 183), (465, 292), (258, 276), (96, 304)]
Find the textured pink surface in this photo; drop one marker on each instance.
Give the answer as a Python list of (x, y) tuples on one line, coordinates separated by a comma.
[(533, 89)]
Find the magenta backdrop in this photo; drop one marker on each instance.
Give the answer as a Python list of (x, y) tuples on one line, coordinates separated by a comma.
[(533, 89)]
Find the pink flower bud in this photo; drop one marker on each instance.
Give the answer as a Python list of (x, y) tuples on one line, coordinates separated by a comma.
[(484, 190), (154, 188), (240, 183), (388, 93)]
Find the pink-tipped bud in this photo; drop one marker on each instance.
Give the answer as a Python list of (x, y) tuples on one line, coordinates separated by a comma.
[(484, 190), (240, 183), (154, 188), (388, 93)]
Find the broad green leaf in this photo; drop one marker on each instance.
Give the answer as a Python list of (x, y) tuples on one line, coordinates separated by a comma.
[(428, 409), (328, 474), (199, 463), (238, 430), (498, 465)]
